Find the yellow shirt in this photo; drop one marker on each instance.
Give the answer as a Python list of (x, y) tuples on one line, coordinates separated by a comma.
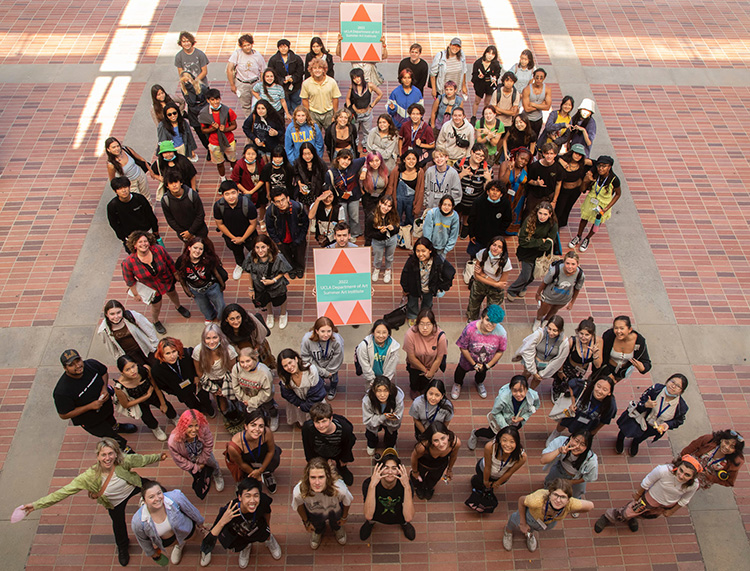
[(320, 95), (537, 500)]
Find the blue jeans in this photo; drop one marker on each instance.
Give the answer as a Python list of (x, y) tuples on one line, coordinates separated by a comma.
[(351, 216), (405, 203), (413, 306), (293, 100), (473, 248), (210, 302), (381, 247), (557, 471)]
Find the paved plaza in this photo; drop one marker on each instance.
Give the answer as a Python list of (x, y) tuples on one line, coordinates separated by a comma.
[(672, 88)]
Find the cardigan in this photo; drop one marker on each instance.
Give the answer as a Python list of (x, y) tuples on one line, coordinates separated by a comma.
[(142, 331), (502, 409), (641, 351), (441, 276), (180, 455), (366, 357), (373, 418), (527, 353), (91, 481)]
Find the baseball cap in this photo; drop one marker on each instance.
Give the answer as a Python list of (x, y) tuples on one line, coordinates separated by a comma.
[(68, 356)]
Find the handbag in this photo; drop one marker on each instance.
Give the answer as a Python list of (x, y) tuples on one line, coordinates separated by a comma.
[(542, 264), (202, 481), (234, 469), (417, 230), (396, 318), (404, 237), (561, 408), (469, 271), (133, 412), (481, 499)]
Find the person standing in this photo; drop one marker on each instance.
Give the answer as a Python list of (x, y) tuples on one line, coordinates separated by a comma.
[(202, 277), (82, 395), (287, 226), (244, 70), (124, 161), (320, 94), (126, 332), (456, 137), (190, 58), (290, 68), (420, 69), (323, 346), (128, 212), (183, 209), (449, 65), (218, 121), (237, 218), (537, 98), (403, 97), (439, 180)]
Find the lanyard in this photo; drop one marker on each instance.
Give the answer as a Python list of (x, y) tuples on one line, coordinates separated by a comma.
[(344, 179), (440, 184), (286, 64), (243, 517), (427, 414), (178, 370), (504, 463), (661, 410), (580, 352), (375, 182), (546, 343), (598, 187), (324, 353), (711, 460), (415, 131), (256, 456), (557, 513)]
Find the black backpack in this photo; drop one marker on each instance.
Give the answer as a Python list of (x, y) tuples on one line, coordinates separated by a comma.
[(557, 265)]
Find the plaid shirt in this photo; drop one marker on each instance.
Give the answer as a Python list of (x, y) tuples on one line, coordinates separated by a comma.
[(133, 270)]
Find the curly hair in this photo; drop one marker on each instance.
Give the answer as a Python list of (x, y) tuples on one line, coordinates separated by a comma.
[(533, 218), (331, 478), (186, 418), (137, 235)]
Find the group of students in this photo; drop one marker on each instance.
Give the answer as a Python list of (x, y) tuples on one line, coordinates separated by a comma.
[(504, 174)]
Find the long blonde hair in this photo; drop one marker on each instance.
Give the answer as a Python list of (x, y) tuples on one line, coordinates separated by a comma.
[(331, 477), (108, 443), (308, 119), (207, 356), (194, 82)]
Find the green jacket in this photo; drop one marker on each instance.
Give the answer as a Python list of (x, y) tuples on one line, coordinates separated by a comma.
[(90, 482), (531, 247)]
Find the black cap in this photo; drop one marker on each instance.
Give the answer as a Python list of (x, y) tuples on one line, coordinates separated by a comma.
[(283, 42), (605, 160), (68, 356)]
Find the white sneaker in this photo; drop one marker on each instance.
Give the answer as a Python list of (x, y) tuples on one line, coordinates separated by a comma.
[(375, 275), (237, 273), (387, 277), (455, 391), (537, 325), (531, 541), (370, 451), (274, 547), (159, 433), (222, 179), (194, 159), (274, 423), (508, 540), (175, 421), (282, 320), (176, 555), (218, 480), (245, 556), (340, 534), (205, 559), (315, 539), (482, 391), (269, 320), (472, 444)]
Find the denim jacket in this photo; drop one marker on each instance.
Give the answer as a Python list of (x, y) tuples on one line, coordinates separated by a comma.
[(182, 516)]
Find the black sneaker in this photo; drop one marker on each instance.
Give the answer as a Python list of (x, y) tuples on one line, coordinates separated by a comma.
[(123, 556), (346, 475), (464, 231), (332, 392), (160, 329), (633, 525), (419, 491), (473, 120), (128, 450), (620, 444), (600, 524), (366, 530), (633, 448), (409, 532), (184, 311), (125, 428), (429, 493), (211, 413), (269, 481)]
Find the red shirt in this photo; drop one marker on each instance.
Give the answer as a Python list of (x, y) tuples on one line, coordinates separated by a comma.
[(213, 138), (133, 270)]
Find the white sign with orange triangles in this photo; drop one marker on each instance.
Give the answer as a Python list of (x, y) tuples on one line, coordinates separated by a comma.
[(343, 284), (361, 30)]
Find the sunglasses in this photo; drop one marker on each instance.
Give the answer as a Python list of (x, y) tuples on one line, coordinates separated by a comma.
[(736, 435), (171, 114)]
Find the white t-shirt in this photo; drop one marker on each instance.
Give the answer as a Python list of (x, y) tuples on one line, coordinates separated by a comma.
[(320, 504), (216, 373), (665, 488), (491, 269), (118, 490), (247, 68)]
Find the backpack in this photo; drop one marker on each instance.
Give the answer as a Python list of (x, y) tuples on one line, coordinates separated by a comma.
[(357, 366), (190, 195), (556, 275), (243, 199)]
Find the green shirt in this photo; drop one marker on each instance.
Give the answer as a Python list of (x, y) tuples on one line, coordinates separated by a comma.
[(91, 481)]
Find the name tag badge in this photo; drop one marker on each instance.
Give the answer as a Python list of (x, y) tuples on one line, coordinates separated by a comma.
[(584, 420), (594, 202), (499, 215), (185, 384), (511, 192)]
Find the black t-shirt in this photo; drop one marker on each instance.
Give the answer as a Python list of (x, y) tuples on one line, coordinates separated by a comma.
[(234, 218), (246, 527), (421, 72), (551, 175), (329, 445), (182, 166), (196, 275), (71, 393), (278, 178), (389, 504)]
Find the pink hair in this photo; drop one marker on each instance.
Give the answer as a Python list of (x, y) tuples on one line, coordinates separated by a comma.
[(185, 419), (368, 183)]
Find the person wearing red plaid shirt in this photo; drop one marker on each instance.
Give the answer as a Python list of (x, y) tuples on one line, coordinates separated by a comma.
[(151, 265)]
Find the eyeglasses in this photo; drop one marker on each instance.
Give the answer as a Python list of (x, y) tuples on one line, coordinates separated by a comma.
[(674, 384), (736, 435), (561, 497)]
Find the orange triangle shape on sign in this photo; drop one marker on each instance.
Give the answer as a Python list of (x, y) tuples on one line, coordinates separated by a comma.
[(371, 54), (333, 315), (361, 15), (343, 265), (358, 315), (351, 54)]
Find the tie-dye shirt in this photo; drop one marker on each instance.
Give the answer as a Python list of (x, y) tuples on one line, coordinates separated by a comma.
[(481, 347)]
